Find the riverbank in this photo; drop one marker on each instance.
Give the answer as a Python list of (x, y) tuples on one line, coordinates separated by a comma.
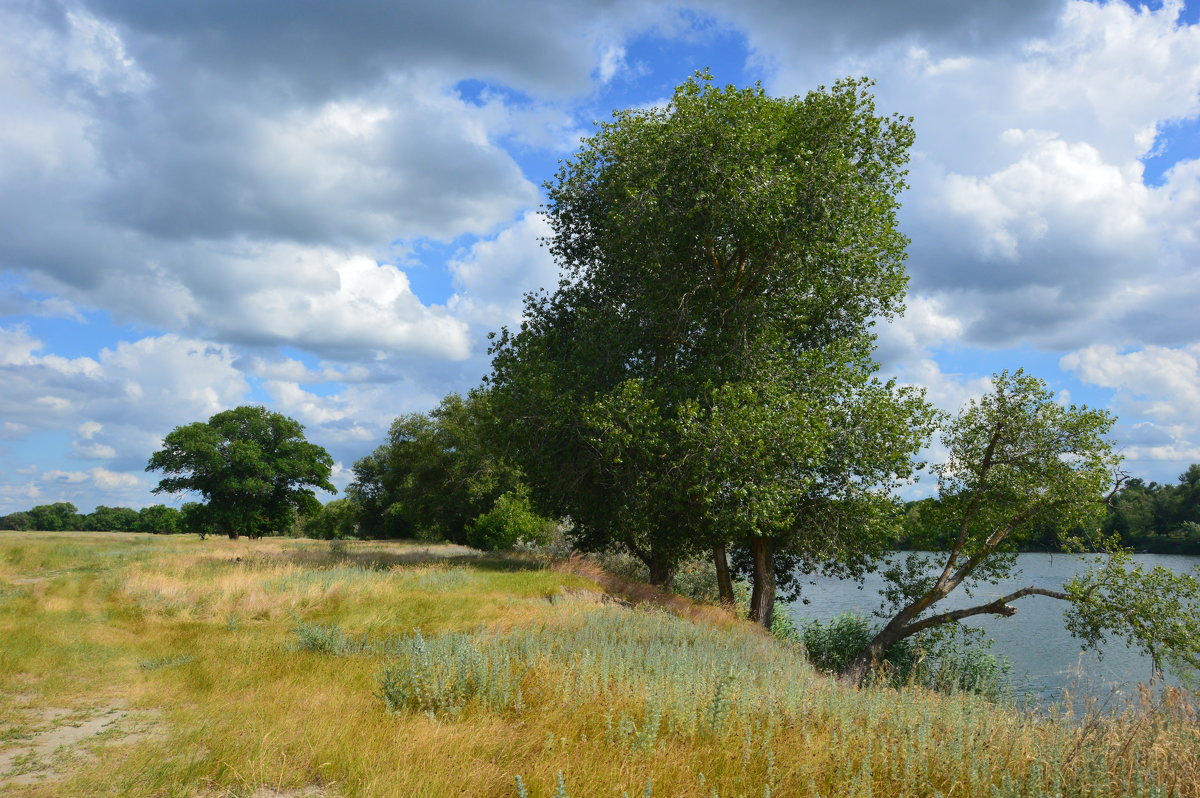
[(289, 668)]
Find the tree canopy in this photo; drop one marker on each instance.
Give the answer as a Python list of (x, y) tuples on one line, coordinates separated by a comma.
[(435, 473), (702, 375), (1161, 518), (253, 467)]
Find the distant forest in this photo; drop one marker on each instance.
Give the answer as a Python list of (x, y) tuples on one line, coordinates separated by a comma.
[(1146, 517), (64, 516)]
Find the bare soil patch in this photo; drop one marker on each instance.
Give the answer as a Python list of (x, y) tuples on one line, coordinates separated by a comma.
[(49, 740)]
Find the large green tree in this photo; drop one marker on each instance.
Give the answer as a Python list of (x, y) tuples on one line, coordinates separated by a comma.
[(112, 519), (253, 467), (56, 517), (1019, 461), (435, 473), (702, 375), (159, 519)]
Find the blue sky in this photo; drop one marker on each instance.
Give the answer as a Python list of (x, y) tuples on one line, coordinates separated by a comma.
[(324, 208)]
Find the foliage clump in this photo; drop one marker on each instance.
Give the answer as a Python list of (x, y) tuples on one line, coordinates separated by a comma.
[(253, 467), (434, 475), (510, 521), (943, 665)]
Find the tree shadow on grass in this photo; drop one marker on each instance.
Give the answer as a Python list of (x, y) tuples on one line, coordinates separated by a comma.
[(360, 556)]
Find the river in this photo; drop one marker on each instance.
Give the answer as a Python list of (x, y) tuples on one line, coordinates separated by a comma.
[(1045, 658)]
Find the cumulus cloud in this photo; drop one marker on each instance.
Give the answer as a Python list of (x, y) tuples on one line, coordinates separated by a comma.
[(1029, 211), (493, 277), (205, 191), (830, 32), (327, 302), (85, 489), (927, 322), (1161, 384), (249, 190), (93, 451), (125, 398), (1158, 381)]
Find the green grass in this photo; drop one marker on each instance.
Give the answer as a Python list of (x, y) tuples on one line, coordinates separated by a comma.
[(397, 669)]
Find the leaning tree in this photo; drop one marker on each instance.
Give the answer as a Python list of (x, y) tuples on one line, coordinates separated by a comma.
[(702, 375), (253, 467), (1019, 461)]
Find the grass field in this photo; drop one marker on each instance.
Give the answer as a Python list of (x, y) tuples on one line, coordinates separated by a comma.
[(146, 666)]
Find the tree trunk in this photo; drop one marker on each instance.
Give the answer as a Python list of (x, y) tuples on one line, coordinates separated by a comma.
[(868, 659), (662, 568), (724, 583), (233, 534), (762, 598), (905, 624)]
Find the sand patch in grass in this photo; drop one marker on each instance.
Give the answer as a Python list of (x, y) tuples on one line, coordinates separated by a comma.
[(51, 740)]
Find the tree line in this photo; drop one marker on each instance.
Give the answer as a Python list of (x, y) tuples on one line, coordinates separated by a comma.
[(1143, 516), (158, 519)]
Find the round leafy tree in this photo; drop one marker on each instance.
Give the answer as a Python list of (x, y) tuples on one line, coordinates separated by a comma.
[(253, 467)]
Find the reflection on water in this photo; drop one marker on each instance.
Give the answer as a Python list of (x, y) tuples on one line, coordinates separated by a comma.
[(1045, 658)]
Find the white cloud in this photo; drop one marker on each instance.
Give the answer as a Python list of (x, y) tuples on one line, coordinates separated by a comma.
[(114, 480), (1053, 186), (227, 208), (252, 181), (65, 477), (1029, 213), (150, 384), (495, 274), (292, 370), (326, 301), (96, 52), (1158, 381), (612, 61), (927, 322), (948, 392), (18, 496), (1161, 384), (93, 451), (84, 488)]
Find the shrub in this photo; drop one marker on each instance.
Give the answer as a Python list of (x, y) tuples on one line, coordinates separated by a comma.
[(833, 644), (441, 675), (336, 520), (946, 666), (510, 521)]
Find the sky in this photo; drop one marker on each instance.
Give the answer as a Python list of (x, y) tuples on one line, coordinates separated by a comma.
[(324, 208)]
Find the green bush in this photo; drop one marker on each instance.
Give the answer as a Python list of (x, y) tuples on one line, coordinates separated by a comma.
[(336, 520), (833, 644), (510, 521), (947, 666)]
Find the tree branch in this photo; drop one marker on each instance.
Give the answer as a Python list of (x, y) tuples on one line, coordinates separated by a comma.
[(679, 341), (998, 607), (976, 500)]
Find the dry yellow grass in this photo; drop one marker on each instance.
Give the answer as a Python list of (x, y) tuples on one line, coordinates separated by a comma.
[(199, 640)]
